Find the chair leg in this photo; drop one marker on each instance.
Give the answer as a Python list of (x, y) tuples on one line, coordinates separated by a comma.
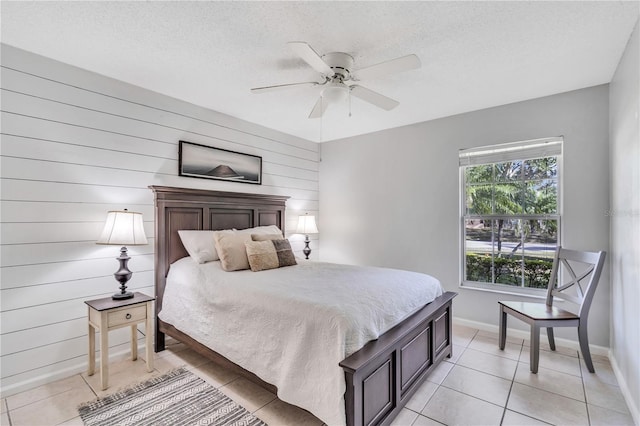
[(552, 342), (584, 347), (503, 328), (534, 350)]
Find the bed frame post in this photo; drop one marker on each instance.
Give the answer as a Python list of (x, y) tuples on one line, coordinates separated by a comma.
[(159, 338), (160, 266)]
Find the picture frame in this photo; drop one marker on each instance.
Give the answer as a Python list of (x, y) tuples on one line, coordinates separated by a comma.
[(207, 162)]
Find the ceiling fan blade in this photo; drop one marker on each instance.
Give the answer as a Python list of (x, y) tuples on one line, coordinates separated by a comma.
[(282, 86), (405, 63), (319, 108), (374, 98), (310, 56)]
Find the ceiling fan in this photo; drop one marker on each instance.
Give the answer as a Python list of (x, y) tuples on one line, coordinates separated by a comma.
[(336, 69)]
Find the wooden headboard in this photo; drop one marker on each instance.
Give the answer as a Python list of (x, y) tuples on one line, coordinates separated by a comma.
[(185, 208)]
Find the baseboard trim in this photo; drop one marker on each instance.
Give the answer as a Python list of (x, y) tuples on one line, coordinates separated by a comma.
[(632, 404), (573, 344)]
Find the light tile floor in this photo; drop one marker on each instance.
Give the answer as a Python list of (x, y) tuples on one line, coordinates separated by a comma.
[(478, 385)]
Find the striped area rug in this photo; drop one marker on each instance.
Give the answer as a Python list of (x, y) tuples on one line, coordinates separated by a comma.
[(176, 398)]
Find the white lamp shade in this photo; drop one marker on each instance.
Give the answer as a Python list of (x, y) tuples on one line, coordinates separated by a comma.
[(307, 225), (123, 228)]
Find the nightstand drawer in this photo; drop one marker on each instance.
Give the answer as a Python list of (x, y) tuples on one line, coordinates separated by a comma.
[(127, 315)]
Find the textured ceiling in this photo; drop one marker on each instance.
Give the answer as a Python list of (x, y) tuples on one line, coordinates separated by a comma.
[(474, 54)]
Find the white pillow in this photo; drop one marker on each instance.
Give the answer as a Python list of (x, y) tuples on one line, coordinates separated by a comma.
[(201, 245), (269, 229)]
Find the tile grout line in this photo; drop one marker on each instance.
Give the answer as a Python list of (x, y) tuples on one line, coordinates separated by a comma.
[(89, 386), (260, 408), (480, 371), (513, 380), (555, 393), (427, 417), (238, 402), (584, 389), (533, 418), (581, 380), (6, 407), (439, 385), (38, 400), (49, 397), (471, 396)]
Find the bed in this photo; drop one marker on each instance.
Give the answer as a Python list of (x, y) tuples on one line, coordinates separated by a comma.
[(379, 378)]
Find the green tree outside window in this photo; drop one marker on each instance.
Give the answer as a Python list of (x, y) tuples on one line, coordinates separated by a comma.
[(511, 221)]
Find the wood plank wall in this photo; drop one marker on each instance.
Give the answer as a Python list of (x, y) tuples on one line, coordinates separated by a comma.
[(76, 144)]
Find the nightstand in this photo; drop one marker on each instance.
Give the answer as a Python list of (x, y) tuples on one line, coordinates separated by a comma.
[(107, 314)]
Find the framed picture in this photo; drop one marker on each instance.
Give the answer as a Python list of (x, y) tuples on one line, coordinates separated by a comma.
[(207, 162)]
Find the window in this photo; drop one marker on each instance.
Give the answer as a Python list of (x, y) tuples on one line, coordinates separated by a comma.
[(510, 214)]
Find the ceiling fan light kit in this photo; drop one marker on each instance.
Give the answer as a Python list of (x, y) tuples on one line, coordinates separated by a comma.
[(335, 92), (336, 70)]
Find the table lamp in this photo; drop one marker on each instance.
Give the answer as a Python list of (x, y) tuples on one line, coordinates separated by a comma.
[(123, 228), (306, 226)]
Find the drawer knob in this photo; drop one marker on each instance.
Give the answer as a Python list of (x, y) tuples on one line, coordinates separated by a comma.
[(128, 316)]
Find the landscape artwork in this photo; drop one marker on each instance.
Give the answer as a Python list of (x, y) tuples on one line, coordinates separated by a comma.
[(202, 161)]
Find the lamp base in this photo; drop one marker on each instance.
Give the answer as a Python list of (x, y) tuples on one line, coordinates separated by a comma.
[(122, 276), (306, 250), (122, 296)]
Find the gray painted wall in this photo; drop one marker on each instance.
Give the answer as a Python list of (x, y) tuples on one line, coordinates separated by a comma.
[(74, 145), (391, 198), (625, 221)]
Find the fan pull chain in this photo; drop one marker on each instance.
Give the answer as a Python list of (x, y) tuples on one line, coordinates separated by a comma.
[(321, 109), (349, 103)]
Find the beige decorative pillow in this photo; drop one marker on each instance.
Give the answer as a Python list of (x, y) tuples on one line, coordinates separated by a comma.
[(266, 237), (232, 252), (269, 254)]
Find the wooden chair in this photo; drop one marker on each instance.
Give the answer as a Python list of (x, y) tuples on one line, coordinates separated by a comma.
[(539, 315)]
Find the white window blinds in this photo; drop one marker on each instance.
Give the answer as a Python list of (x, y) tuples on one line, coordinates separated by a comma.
[(537, 148)]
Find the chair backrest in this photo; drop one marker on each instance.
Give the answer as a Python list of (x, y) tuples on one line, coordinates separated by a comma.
[(583, 283)]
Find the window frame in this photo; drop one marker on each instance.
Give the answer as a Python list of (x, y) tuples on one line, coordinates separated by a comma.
[(508, 147)]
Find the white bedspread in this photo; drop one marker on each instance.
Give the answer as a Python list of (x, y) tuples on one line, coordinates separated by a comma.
[(292, 326)]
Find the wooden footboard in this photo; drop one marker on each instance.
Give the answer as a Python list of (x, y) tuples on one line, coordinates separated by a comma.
[(383, 375)]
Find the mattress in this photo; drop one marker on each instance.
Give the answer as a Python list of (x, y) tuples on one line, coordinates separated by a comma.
[(292, 326)]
